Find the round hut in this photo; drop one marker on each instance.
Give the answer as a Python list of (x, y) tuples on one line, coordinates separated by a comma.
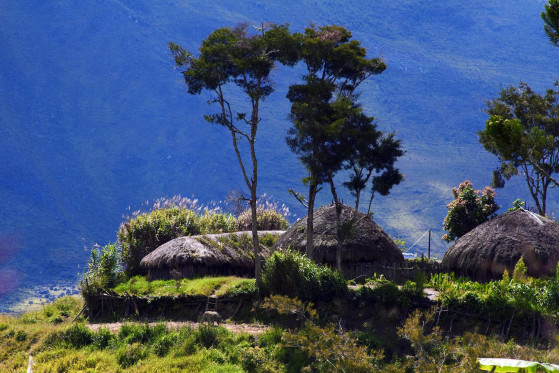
[(222, 254), (486, 251), (368, 249)]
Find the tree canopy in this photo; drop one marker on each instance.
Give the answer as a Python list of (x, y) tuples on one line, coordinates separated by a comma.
[(550, 18), (235, 56), (522, 132), (330, 130)]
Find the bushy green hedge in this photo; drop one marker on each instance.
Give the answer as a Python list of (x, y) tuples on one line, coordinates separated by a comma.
[(142, 234), (293, 274)]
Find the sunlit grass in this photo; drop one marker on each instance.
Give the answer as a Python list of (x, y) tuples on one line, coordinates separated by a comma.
[(221, 286)]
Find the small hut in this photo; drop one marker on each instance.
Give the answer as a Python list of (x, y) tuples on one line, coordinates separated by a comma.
[(212, 254), (495, 245), (368, 250)]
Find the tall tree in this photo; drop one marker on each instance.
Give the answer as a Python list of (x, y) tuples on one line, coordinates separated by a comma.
[(550, 18), (336, 66), (234, 56), (372, 155), (522, 132)]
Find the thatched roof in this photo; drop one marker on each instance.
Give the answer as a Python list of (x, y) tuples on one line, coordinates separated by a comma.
[(227, 253), (368, 242), (488, 249)]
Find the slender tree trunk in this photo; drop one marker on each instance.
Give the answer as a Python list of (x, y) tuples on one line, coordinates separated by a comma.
[(370, 201), (358, 198), (310, 207), (338, 209), (254, 231), (532, 189), (256, 248)]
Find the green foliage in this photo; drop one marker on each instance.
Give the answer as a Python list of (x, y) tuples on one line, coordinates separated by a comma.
[(130, 355), (293, 274), (468, 209), (401, 243), (520, 271), (313, 346), (330, 129), (326, 348), (499, 299), (21, 336), (146, 334), (386, 293), (56, 312), (234, 59), (144, 233), (522, 131), (433, 351), (268, 219), (103, 269), (103, 338), (163, 344), (550, 18), (75, 336), (222, 286), (209, 335), (517, 205)]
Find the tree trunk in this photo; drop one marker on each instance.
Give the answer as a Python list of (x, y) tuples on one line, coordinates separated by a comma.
[(254, 126), (338, 209), (358, 198), (254, 230), (310, 207), (370, 201)]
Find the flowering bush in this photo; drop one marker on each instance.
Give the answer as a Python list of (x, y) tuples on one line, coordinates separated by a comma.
[(469, 209)]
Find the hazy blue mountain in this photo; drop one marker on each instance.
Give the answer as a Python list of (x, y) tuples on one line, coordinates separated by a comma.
[(94, 119)]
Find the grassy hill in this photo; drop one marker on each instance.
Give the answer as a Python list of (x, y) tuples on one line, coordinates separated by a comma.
[(95, 119)]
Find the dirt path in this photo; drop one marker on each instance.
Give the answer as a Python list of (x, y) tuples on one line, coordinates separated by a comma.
[(253, 329)]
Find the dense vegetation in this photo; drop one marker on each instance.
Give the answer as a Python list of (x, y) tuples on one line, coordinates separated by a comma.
[(294, 275), (144, 233), (59, 345)]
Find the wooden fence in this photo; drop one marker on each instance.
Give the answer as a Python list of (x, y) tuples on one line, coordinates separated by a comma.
[(397, 273)]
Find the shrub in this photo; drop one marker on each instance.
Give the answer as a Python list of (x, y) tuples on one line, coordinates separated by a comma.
[(21, 336), (142, 234), (293, 274), (141, 333), (520, 271), (103, 270), (268, 218), (212, 222), (386, 293), (75, 336), (164, 344), (103, 338), (468, 209), (130, 355), (517, 205), (327, 348), (209, 335)]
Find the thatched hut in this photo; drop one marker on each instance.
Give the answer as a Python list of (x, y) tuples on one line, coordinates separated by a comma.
[(368, 250), (495, 245), (211, 254)]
